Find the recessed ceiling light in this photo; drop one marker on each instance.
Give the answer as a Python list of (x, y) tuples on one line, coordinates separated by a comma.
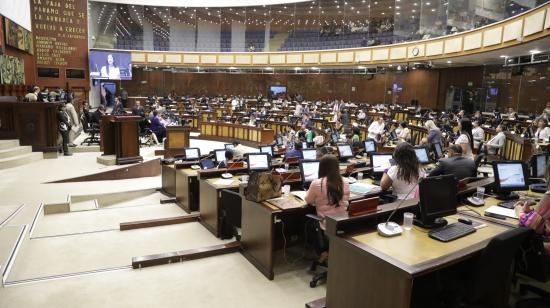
[(449, 62), (504, 56), (534, 51)]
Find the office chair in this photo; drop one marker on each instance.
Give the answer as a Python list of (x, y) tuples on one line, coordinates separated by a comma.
[(89, 128), (320, 243), (480, 157), (488, 281), (534, 263)]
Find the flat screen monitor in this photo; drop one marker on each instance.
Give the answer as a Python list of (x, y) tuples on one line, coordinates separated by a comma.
[(538, 165), (279, 140), (370, 146), (437, 150), (266, 149), (437, 199), (258, 161), (422, 155), (344, 151), (309, 170), (113, 65), (380, 162), (192, 153), (277, 90), (220, 155), (309, 154), (510, 176), (229, 146), (304, 145), (207, 164)]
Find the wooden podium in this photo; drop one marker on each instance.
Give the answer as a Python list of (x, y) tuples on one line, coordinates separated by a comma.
[(120, 136)]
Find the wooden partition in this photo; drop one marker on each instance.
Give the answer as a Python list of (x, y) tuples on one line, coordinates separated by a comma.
[(276, 126), (227, 131), (177, 137), (516, 147), (34, 124)]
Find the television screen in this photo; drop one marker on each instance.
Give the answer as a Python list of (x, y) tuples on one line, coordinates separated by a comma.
[(397, 88), (276, 90), (113, 65), (493, 91)]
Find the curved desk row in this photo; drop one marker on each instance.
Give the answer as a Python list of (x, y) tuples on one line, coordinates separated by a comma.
[(226, 132)]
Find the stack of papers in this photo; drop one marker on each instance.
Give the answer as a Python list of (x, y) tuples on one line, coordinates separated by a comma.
[(300, 194), (502, 211), (224, 182), (361, 188), (286, 203)]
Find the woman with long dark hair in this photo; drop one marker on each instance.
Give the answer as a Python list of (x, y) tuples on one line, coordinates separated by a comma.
[(110, 69), (466, 139), (330, 192), (405, 174)]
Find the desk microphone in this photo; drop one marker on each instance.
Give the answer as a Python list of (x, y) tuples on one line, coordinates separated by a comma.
[(390, 228)]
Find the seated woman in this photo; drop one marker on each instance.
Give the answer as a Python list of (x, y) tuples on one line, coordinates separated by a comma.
[(330, 192), (537, 218), (405, 133), (228, 160), (404, 176), (157, 127)]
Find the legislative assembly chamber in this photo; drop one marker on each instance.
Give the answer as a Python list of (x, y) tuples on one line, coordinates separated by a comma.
[(275, 153)]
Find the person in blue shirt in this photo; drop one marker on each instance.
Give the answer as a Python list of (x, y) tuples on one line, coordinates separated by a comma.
[(295, 152)]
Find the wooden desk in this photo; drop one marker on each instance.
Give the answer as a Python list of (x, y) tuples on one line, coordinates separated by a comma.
[(34, 124), (168, 179), (386, 268), (210, 202), (260, 229), (119, 136), (187, 189), (177, 137), (221, 131)]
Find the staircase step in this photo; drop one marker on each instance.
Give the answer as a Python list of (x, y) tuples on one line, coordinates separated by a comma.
[(8, 143), (20, 160), (15, 151)]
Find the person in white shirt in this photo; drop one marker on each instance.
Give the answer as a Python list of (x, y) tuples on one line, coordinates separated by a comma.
[(405, 133), (497, 142), (478, 133), (465, 140), (543, 132), (376, 128), (238, 149), (234, 103), (403, 178), (298, 110), (111, 70), (361, 116)]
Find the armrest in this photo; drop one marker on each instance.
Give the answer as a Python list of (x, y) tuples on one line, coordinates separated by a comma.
[(314, 217)]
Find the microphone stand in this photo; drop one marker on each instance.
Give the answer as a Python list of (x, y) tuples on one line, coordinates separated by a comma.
[(390, 228)]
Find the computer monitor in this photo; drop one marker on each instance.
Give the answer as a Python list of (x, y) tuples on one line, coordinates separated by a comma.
[(380, 162), (510, 176), (438, 150), (370, 146), (437, 200), (538, 165), (229, 146), (220, 155), (344, 151), (207, 163), (309, 154), (422, 155), (192, 153), (258, 162), (279, 140), (266, 149), (304, 145), (309, 170)]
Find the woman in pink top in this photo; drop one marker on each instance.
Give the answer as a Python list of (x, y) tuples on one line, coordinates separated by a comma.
[(538, 218), (330, 192)]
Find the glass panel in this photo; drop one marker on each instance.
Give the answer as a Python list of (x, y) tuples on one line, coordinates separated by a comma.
[(128, 31)]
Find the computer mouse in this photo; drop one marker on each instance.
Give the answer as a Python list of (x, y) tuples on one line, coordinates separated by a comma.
[(227, 175), (465, 221)]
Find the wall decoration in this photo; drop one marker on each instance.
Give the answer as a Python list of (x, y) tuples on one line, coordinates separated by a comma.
[(12, 70), (17, 36)]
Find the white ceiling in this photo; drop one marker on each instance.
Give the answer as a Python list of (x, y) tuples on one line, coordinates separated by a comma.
[(202, 3)]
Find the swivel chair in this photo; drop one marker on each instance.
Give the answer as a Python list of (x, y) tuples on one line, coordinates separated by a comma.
[(320, 243), (534, 264), (90, 128)]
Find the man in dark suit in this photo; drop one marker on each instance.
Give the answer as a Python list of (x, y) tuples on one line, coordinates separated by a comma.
[(456, 164), (138, 110), (64, 128), (118, 108)]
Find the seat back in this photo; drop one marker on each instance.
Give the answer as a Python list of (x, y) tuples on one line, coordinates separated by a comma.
[(533, 261), (363, 206), (479, 159), (489, 281)]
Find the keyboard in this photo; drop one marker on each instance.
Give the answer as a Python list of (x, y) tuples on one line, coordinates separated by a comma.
[(508, 204), (451, 232)]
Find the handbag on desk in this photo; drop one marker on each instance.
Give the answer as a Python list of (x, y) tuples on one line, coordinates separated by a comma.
[(263, 186)]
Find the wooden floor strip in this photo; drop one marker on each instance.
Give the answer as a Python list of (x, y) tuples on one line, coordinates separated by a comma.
[(184, 255), (158, 222)]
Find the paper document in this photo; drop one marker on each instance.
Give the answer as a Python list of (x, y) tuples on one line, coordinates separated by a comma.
[(502, 211), (285, 203), (300, 194), (224, 182), (361, 188)]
